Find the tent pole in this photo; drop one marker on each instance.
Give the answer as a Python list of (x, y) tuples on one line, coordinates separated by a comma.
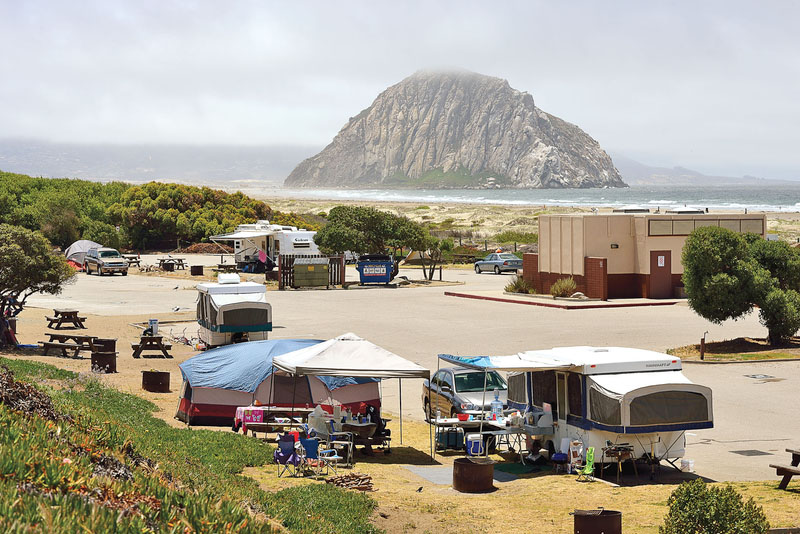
[(483, 409), (400, 387), (294, 389), (430, 422)]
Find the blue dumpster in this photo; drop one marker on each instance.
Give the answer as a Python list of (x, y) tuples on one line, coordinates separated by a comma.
[(375, 269)]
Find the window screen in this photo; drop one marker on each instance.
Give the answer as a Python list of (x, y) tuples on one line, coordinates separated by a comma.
[(245, 317), (604, 409), (667, 407), (682, 227), (574, 393), (544, 389), (212, 314), (730, 224), (698, 223), (660, 227), (753, 226), (516, 388)]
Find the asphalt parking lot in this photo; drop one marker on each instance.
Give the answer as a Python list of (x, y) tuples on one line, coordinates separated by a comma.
[(755, 418)]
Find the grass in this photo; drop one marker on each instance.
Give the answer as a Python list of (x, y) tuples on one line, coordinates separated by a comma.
[(739, 349), (197, 484), (513, 236)]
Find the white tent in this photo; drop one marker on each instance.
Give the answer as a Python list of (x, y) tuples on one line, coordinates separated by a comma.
[(77, 251), (350, 355)]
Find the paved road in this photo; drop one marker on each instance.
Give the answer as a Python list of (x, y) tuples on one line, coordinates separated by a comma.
[(419, 323)]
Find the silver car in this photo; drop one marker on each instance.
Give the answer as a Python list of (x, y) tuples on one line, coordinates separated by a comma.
[(498, 262), (105, 261), (455, 390)]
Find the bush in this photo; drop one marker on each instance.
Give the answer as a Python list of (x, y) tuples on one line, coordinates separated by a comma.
[(513, 236), (695, 507), (519, 285), (563, 287)]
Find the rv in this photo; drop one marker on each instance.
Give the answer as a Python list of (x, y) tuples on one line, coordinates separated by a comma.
[(231, 311), (263, 242), (603, 396)]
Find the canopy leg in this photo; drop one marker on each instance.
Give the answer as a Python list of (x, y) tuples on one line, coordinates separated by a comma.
[(400, 388)]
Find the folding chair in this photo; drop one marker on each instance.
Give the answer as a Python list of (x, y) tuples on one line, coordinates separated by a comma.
[(586, 471), (286, 457), (338, 439), (317, 460)]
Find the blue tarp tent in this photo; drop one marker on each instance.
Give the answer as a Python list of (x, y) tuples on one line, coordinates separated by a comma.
[(217, 381)]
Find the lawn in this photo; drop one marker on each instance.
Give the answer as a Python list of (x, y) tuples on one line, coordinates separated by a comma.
[(739, 349), (88, 457)]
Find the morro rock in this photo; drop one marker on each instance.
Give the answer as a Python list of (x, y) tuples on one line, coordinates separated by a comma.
[(457, 130)]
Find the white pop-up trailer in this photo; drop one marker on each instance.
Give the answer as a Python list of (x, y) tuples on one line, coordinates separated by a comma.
[(256, 242), (231, 311), (602, 395)]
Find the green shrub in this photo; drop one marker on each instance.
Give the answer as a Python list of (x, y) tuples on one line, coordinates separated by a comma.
[(519, 285), (563, 287), (513, 236), (695, 507)]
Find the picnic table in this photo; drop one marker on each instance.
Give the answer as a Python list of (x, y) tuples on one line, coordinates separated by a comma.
[(151, 343), (178, 263), (510, 436), (788, 471), (620, 454), (262, 418), (464, 258), (63, 318), (133, 260), (65, 341), (227, 268)]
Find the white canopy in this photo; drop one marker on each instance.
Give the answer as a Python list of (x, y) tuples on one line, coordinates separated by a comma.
[(77, 251), (348, 355)]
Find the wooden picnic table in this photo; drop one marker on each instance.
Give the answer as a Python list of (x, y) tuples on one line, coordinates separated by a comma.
[(65, 341), (227, 268), (179, 263), (152, 344), (788, 471), (620, 454), (65, 318), (133, 260)]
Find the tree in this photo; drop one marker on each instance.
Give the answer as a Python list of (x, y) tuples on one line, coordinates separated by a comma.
[(28, 265), (726, 274), (364, 230), (431, 253)]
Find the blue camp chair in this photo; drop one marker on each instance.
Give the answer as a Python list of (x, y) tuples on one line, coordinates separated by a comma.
[(286, 456), (316, 460), (338, 439)]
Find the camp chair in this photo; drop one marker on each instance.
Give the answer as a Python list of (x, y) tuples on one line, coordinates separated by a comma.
[(338, 439), (382, 435), (317, 460), (586, 471), (285, 456)]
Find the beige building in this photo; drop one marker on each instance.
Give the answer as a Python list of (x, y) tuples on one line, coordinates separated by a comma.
[(622, 255)]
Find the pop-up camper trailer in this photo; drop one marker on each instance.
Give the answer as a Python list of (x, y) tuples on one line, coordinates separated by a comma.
[(231, 311), (217, 381), (600, 395), (263, 242)]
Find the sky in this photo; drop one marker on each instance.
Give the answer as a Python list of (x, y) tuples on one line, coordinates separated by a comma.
[(714, 86)]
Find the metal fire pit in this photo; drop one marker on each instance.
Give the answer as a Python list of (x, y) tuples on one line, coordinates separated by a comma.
[(597, 521), (155, 381), (473, 475), (104, 362)]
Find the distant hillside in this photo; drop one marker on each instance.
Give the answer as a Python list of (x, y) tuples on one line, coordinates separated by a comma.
[(636, 173), (457, 130), (207, 165)]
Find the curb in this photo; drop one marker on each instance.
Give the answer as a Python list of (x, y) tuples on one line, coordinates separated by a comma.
[(553, 305)]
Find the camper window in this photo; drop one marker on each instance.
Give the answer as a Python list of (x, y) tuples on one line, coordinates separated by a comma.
[(604, 409), (544, 389), (574, 393), (245, 317), (212, 315), (665, 407), (516, 388)]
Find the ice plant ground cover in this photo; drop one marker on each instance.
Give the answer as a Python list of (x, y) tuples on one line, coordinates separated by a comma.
[(76, 455)]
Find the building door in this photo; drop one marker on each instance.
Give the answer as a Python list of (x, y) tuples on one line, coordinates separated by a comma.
[(561, 390), (660, 274)]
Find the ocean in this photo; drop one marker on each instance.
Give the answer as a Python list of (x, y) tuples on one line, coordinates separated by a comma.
[(771, 198)]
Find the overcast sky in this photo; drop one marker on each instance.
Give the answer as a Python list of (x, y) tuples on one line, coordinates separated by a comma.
[(710, 85)]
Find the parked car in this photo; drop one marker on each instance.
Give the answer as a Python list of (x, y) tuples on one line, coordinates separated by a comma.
[(105, 260), (455, 390), (498, 262)]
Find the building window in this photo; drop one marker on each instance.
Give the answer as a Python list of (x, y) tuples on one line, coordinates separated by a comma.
[(730, 224), (682, 227), (753, 226), (660, 227)]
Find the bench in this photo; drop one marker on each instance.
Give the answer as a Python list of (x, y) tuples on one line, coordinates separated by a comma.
[(63, 347), (57, 322), (788, 471)]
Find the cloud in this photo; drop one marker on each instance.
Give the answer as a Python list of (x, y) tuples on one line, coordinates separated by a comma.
[(710, 85)]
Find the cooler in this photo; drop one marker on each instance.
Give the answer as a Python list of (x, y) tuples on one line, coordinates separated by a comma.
[(474, 445), (450, 438)]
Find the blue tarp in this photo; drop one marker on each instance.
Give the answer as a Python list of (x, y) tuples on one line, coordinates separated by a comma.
[(243, 366)]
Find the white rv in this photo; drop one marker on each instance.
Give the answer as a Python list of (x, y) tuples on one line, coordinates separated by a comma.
[(602, 396), (254, 242), (230, 311)]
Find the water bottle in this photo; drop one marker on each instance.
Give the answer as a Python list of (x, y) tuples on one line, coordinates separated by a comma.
[(496, 406), (438, 414)]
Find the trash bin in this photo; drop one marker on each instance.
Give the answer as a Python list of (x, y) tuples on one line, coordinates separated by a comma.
[(311, 272), (155, 381), (168, 266), (597, 521), (196, 270), (375, 269)]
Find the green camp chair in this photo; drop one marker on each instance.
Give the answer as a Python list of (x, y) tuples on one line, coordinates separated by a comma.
[(586, 471)]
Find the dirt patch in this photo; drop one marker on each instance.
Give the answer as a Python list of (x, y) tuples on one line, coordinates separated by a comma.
[(740, 349)]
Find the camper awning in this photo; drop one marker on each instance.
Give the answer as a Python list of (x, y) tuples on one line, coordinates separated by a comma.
[(349, 355), (518, 362), (222, 300), (245, 234)]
